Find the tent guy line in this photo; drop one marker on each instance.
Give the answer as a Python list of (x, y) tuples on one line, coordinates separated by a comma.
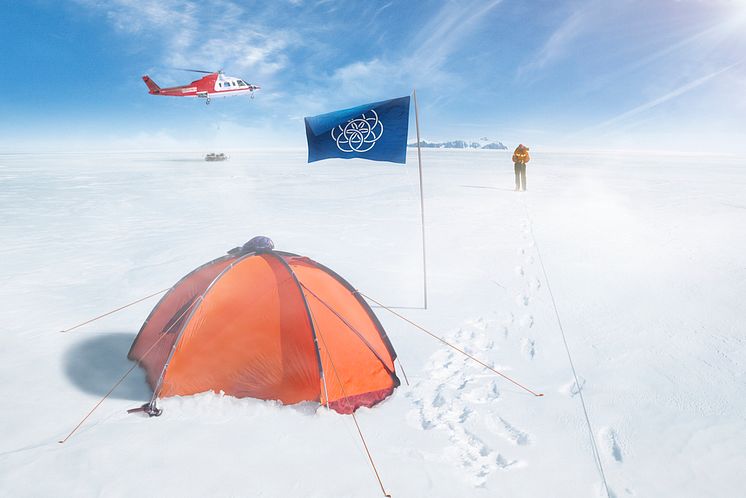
[(341, 385), (420, 327), (121, 379), (594, 446), (117, 309)]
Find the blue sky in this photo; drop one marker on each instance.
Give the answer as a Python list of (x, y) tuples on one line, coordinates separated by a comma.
[(642, 74)]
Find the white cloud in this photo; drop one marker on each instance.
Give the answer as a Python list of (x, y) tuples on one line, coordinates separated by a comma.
[(424, 58), (439, 38), (209, 34), (558, 43), (677, 92)]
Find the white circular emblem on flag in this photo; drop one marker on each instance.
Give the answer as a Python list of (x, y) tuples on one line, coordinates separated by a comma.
[(359, 134)]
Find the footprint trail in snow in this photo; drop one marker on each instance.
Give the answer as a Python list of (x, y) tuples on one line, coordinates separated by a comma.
[(454, 397)]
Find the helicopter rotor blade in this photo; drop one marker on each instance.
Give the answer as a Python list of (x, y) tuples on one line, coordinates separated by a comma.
[(194, 70)]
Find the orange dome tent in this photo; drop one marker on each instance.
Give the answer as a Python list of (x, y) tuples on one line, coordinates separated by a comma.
[(266, 324)]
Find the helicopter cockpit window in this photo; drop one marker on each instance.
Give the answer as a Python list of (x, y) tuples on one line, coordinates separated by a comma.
[(241, 83)]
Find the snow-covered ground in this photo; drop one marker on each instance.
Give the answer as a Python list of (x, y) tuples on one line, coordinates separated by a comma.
[(644, 255)]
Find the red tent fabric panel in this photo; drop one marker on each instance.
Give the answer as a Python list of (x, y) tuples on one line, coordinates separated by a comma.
[(250, 336), (168, 317)]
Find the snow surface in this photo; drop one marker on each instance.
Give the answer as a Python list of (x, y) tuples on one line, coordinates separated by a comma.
[(645, 257)]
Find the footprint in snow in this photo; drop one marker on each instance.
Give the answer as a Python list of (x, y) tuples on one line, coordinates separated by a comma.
[(507, 325), (464, 336), (526, 321), (443, 400), (523, 298), (511, 433), (572, 388), (506, 331), (536, 284), (483, 343), (470, 453), (611, 438), (482, 393), (479, 324), (528, 346)]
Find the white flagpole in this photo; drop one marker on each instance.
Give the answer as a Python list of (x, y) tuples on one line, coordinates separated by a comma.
[(422, 201)]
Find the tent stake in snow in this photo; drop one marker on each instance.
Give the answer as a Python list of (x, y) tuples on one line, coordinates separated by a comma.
[(121, 379)]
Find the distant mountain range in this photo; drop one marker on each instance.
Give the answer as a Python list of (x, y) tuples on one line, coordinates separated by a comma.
[(460, 144)]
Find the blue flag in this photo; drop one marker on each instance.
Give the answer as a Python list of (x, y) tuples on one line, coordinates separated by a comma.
[(376, 131)]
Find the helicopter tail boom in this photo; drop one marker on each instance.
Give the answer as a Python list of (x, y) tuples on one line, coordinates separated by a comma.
[(154, 89)]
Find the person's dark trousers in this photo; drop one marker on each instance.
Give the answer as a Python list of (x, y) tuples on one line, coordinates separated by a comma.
[(520, 176)]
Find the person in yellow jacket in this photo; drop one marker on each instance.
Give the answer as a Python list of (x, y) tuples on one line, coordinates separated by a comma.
[(520, 158)]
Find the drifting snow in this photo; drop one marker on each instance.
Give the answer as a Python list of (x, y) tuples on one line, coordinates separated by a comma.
[(644, 256)]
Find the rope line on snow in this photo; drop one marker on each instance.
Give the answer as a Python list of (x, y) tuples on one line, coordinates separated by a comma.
[(452, 346), (594, 446), (163, 334), (115, 310)]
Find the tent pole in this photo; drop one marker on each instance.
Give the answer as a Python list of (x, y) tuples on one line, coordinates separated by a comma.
[(422, 201)]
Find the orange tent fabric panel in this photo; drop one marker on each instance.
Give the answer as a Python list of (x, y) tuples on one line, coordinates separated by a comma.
[(151, 349), (249, 336), (358, 368)]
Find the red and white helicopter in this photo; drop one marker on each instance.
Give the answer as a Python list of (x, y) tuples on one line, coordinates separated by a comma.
[(215, 84)]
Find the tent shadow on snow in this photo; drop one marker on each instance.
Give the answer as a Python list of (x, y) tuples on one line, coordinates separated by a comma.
[(95, 364)]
